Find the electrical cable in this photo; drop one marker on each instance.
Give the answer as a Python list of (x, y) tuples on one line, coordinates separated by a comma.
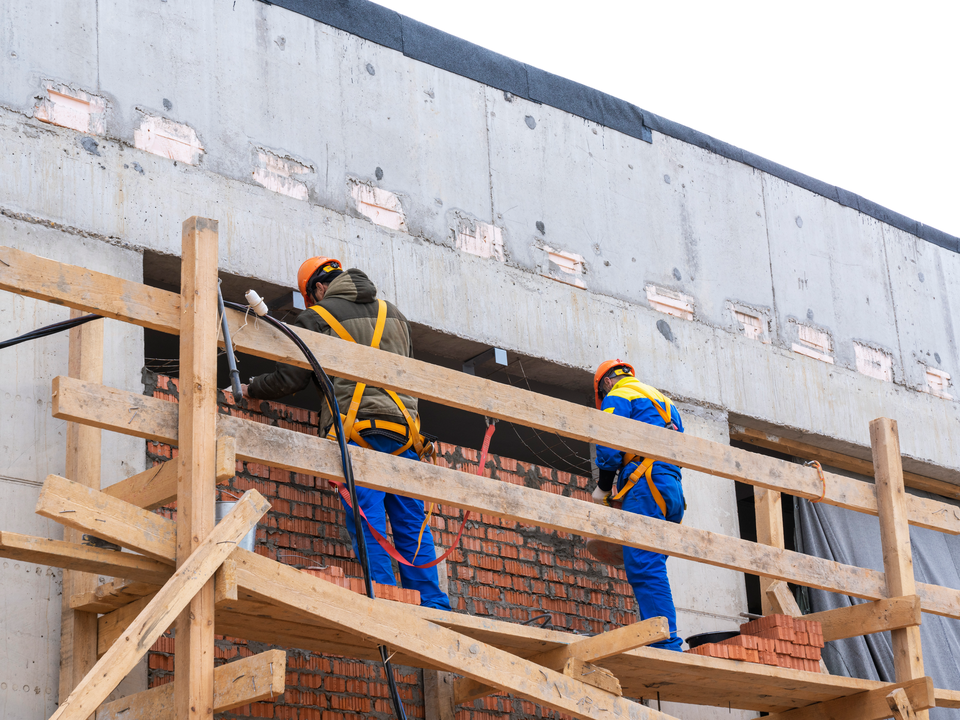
[(326, 386), (47, 330)]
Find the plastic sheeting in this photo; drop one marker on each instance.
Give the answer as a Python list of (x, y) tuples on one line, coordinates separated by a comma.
[(853, 538)]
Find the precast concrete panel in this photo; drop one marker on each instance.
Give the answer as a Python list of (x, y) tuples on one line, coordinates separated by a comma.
[(417, 132), (926, 283), (830, 273), (46, 40)]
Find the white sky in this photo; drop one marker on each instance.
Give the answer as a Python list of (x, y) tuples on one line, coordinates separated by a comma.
[(863, 95)]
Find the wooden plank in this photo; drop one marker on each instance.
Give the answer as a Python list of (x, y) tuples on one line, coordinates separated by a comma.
[(165, 606), (895, 539), (97, 513), (837, 460), (112, 595), (58, 553), (299, 452), (78, 630), (115, 623), (590, 674), (870, 705), (947, 698), (395, 626), (260, 677), (901, 706), (150, 489), (769, 513), (150, 307), (88, 291), (156, 487), (197, 457), (866, 618), (589, 650)]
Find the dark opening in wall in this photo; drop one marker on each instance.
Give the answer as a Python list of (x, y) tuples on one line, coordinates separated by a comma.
[(746, 510), (451, 425)]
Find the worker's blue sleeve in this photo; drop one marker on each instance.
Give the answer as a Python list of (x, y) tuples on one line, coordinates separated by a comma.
[(608, 458)]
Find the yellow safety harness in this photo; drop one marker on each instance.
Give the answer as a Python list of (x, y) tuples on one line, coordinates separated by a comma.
[(352, 429), (645, 468)]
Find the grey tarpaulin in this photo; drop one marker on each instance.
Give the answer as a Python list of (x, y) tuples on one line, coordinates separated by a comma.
[(853, 538)]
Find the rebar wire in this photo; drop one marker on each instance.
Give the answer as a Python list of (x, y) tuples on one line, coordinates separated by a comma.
[(573, 459)]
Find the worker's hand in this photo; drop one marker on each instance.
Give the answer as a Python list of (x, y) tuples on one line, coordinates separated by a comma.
[(601, 497), (228, 392)]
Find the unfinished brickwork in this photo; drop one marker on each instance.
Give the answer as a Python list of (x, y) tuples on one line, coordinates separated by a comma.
[(502, 569)]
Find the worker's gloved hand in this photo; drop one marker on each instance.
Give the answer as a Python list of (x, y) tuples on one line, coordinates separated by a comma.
[(601, 496)]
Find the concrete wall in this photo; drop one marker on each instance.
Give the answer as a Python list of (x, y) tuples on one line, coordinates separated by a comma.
[(279, 102)]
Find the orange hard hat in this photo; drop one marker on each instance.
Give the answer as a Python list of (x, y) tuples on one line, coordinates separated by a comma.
[(311, 267), (605, 367)]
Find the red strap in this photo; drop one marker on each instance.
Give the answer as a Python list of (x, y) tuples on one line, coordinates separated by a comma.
[(388, 547)]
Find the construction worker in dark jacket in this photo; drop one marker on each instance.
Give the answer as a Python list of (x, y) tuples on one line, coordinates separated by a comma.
[(345, 303), (643, 486)]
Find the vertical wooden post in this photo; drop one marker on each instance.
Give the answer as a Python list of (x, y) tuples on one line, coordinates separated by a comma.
[(895, 538), (78, 630), (769, 532), (197, 460)]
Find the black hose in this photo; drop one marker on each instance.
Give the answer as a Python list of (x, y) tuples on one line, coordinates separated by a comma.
[(326, 386), (47, 330)]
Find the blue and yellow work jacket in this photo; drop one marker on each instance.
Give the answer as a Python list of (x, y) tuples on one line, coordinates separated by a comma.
[(631, 398)]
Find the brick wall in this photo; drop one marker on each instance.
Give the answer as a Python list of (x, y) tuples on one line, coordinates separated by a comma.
[(502, 569)]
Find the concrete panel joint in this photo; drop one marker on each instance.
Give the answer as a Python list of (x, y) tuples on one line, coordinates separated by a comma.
[(874, 362), (480, 239), (563, 266), (169, 139), (71, 108), (279, 173), (670, 302), (380, 206)]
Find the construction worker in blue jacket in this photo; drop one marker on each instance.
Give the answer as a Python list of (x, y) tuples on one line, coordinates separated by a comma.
[(643, 486)]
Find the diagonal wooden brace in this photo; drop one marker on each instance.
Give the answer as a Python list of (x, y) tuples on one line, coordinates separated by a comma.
[(163, 609), (870, 705)]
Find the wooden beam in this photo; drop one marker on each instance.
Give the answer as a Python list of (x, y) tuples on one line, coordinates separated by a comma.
[(197, 457), (866, 618), (396, 626), (260, 677), (308, 454), (895, 539), (837, 460), (189, 578), (947, 698), (157, 486), (58, 553), (158, 309), (115, 623), (769, 513), (589, 650), (782, 601), (901, 706), (870, 705), (590, 674), (88, 291), (97, 513), (155, 419), (112, 595), (78, 630)]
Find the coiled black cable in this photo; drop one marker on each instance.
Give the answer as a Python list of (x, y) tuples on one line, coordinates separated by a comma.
[(47, 330), (325, 384)]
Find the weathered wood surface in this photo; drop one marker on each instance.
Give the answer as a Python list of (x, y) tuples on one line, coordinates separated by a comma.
[(57, 553), (95, 292), (260, 677), (769, 514), (872, 617), (590, 650), (870, 705), (901, 706), (895, 540), (837, 460), (308, 454), (150, 489), (112, 595), (119, 660), (97, 513), (78, 630)]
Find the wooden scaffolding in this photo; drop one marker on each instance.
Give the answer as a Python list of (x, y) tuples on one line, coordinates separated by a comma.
[(190, 572)]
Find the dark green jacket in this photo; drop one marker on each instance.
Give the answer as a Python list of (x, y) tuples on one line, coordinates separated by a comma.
[(351, 299)]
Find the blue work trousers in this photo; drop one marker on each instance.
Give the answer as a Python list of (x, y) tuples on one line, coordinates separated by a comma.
[(406, 518), (647, 571)]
